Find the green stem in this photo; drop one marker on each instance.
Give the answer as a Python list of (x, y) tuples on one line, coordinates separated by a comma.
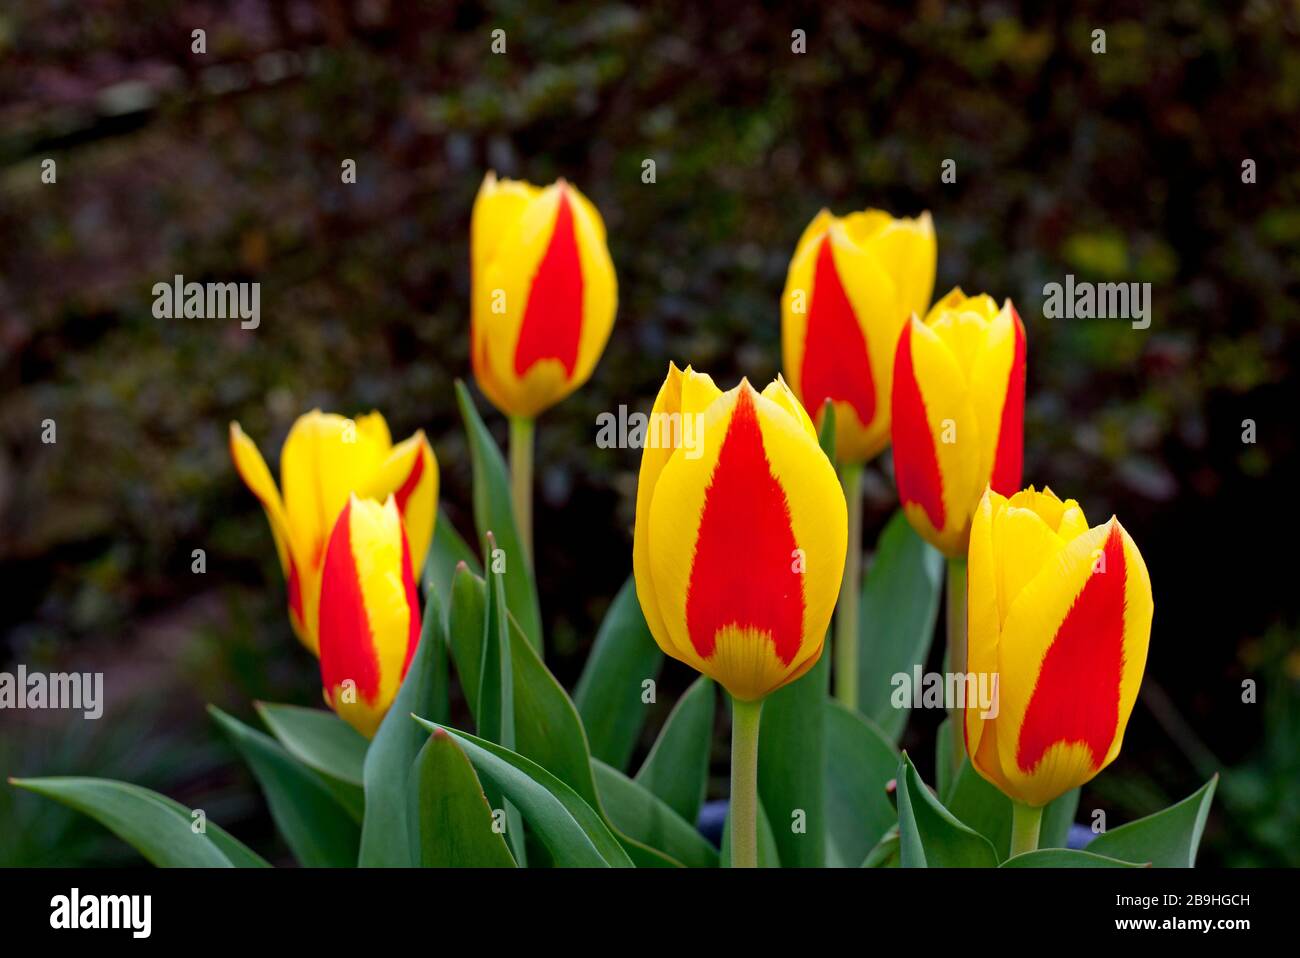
[(744, 783), (1025, 821), (521, 479), (846, 611), (957, 651)]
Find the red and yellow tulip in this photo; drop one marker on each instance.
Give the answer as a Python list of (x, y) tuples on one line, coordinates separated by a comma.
[(740, 533), (325, 459), (852, 284), (958, 414), (1061, 614), (369, 612), (543, 293)]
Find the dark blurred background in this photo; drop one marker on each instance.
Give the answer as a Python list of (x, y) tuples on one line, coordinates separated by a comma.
[(1122, 166)]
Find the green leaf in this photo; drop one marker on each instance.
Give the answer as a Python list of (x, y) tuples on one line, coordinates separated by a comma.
[(157, 828), (929, 835), (548, 729), (317, 829), (1065, 858), (571, 830), (900, 602), (494, 513), (1167, 839), (319, 739), (769, 854), (884, 854), (385, 838), (1058, 816), (609, 691), (677, 768), (792, 766), (451, 821), (642, 815), (445, 554), (240, 855), (860, 762)]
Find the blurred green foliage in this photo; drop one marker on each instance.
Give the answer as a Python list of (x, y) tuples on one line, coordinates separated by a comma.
[(1121, 166)]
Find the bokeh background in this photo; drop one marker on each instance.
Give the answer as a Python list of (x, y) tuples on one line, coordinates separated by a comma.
[(1122, 166)]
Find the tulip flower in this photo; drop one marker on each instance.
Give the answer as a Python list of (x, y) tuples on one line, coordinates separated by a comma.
[(958, 400), (1061, 614), (852, 284), (369, 612), (543, 301), (325, 459), (738, 549)]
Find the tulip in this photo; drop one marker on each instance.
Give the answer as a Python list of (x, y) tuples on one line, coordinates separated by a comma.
[(738, 550), (1061, 614), (543, 301), (325, 459), (369, 613), (852, 284), (959, 401)]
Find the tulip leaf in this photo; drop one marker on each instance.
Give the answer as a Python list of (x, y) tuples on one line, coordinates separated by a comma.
[(900, 603), (860, 762), (1167, 839), (1058, 816), (317, 828), (494, 513), (641, 814), (157, 827), (884, 854), (609, 692), (929, 835), (769, 854), (571, 830), (547, 727), (792, 767), (450, 819), (317, 738), (385, 841), (445, 554), (677, 768), (1065, 858)]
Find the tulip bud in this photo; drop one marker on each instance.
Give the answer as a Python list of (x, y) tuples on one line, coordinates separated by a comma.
[(852, 284), (543, 293), (958, 404), (325, 459), (369, 613), (740, 533), (1061, 614)]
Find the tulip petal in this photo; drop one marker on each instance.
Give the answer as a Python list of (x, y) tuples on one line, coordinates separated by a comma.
[(410, 475), (369, 615)]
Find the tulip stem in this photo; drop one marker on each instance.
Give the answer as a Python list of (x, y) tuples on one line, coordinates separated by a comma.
[(521, 479), (744, 782), (957, 653), (1025, 821), (846, 611)]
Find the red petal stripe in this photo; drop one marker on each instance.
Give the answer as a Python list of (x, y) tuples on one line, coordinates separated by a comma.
[(742, 573), (1008, 462), (835, 363), (1076, 697), (552, 322), (916, 464), (412, 480), (347, 645), (412, 603)]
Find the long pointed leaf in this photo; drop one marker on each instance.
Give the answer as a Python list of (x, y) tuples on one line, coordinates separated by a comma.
[(677, 768)]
